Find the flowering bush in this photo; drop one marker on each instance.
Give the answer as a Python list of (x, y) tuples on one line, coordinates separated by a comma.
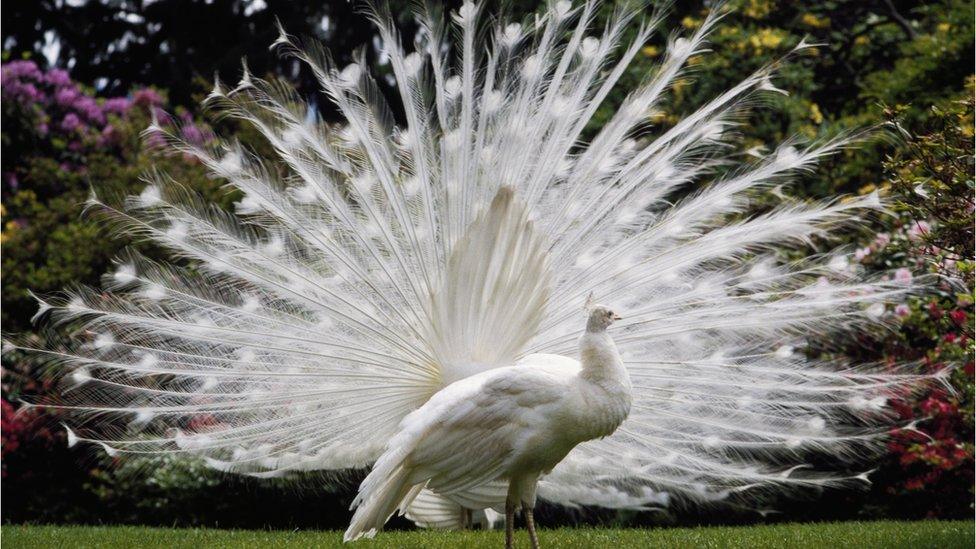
[(68, 122), (59, 140), (19, 428), (930, 472)]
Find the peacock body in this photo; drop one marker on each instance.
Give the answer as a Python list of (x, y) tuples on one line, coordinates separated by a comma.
[(369, 266)]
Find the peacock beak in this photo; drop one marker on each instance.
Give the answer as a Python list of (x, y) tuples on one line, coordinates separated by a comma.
[(617, 317)]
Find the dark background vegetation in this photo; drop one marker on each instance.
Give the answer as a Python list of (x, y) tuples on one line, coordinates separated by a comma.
[(81, 79)]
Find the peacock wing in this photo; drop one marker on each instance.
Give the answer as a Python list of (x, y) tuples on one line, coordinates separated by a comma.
[(468, 434)]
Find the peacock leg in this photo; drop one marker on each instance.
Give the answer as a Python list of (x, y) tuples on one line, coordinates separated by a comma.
[(530, 525), (509, 523)]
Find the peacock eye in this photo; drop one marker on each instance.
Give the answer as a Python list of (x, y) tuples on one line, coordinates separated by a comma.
[(609, 314)]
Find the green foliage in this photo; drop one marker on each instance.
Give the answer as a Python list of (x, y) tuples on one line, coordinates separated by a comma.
[(870, 54), (48, 242), (944, 535), (933, 176), (160, 484)]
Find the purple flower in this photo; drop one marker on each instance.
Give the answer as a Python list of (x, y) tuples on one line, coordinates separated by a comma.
[(117, 105), (19, 91), (155, 140), (24, 70), (192, 134), (903, 276), (66, 97), (71, 122), (31, 93), (88, 107), (110, 135), (58, 77), (10, 178), (147, 98), (162, 116), (902, 310), (42, 129)]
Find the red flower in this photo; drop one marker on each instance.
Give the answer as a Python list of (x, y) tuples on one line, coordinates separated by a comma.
[(914, 484), (958, 316)]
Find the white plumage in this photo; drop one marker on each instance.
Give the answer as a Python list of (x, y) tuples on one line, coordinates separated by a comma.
[(509, 424), (370, 266)]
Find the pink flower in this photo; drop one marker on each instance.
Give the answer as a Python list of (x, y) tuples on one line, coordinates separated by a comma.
[(919, 229), (861, 253), (903, 276), (882, 239), (902, 310)]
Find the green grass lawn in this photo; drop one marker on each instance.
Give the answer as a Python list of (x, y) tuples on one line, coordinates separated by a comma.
[(936, 534)]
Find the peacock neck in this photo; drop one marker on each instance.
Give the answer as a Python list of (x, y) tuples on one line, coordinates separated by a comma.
[(601, 363), (605, 386)]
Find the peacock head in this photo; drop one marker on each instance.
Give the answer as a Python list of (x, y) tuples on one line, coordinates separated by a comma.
[(600, 318)]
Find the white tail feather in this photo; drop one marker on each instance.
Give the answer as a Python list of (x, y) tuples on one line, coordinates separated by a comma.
[(378, 501)]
